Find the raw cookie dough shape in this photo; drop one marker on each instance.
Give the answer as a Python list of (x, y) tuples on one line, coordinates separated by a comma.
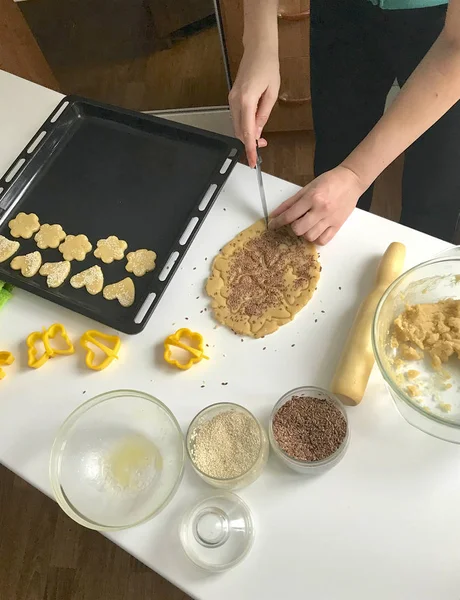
[(92, 279), (7, 248), (110, 249), (432, 328), (24, 225), (28, 264), (140, 262), (123, 291), (49, 236), (55, 272), (75, 247), (261, 279)]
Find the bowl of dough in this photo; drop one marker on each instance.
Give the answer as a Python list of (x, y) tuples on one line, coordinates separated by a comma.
[(416, 341)]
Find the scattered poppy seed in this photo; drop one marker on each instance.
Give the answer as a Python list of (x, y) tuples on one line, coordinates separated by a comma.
[(292, 345), (225, 383), (340, 287), (316, 320)]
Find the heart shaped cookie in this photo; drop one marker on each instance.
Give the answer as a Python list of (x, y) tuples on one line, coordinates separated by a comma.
[(92, 279), (7, 248), (28, 264), (55, 272), (123, 291)]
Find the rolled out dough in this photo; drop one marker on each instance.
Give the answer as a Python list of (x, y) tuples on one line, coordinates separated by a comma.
[(261, 279)]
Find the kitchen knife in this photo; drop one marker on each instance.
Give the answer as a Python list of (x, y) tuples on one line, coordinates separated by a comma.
[(261, 185)]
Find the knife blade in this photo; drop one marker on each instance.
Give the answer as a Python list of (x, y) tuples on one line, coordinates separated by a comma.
[(261, 185)]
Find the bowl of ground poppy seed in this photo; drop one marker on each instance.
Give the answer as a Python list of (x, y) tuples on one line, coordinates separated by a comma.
[(227, 446), (309, 430)]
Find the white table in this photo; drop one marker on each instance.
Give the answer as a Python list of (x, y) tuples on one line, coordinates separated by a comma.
[(384, 524)]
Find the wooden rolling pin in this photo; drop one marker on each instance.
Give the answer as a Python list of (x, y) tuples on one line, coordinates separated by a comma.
[(355, 365)]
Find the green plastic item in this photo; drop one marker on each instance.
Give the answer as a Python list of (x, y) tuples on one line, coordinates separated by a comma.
[(6, 290)]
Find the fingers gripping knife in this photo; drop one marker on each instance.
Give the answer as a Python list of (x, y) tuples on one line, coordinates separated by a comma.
[(261, 185)]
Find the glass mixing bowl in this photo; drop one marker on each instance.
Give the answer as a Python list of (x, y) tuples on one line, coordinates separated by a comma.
[(253, 471), (304, 466), (117, 460), (436, 407)]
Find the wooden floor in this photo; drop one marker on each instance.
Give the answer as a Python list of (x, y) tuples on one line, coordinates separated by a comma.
[(43, 554)]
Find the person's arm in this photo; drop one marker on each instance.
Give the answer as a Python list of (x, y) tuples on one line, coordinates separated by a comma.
[(257, 84), (320, 209)]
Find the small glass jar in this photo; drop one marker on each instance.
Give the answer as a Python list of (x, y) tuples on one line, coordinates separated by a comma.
[(304, 466), (218, 532), (253, 471)]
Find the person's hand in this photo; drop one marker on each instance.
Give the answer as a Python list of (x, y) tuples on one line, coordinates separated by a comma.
[(320, 209), (252, 98)]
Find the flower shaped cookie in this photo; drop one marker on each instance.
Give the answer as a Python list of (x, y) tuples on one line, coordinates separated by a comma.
[(49, 236), (75, 247), (24, 225), (110, 249), (141, 262)]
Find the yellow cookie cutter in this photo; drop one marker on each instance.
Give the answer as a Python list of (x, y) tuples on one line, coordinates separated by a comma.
[(197, 351), (6, 359), (45, 336), (51, 333), (93, 337)]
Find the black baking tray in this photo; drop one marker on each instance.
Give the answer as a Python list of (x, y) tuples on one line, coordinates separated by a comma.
[(101, 170)]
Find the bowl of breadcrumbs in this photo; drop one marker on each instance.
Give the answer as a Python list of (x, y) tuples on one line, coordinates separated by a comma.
[(227, 445)]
